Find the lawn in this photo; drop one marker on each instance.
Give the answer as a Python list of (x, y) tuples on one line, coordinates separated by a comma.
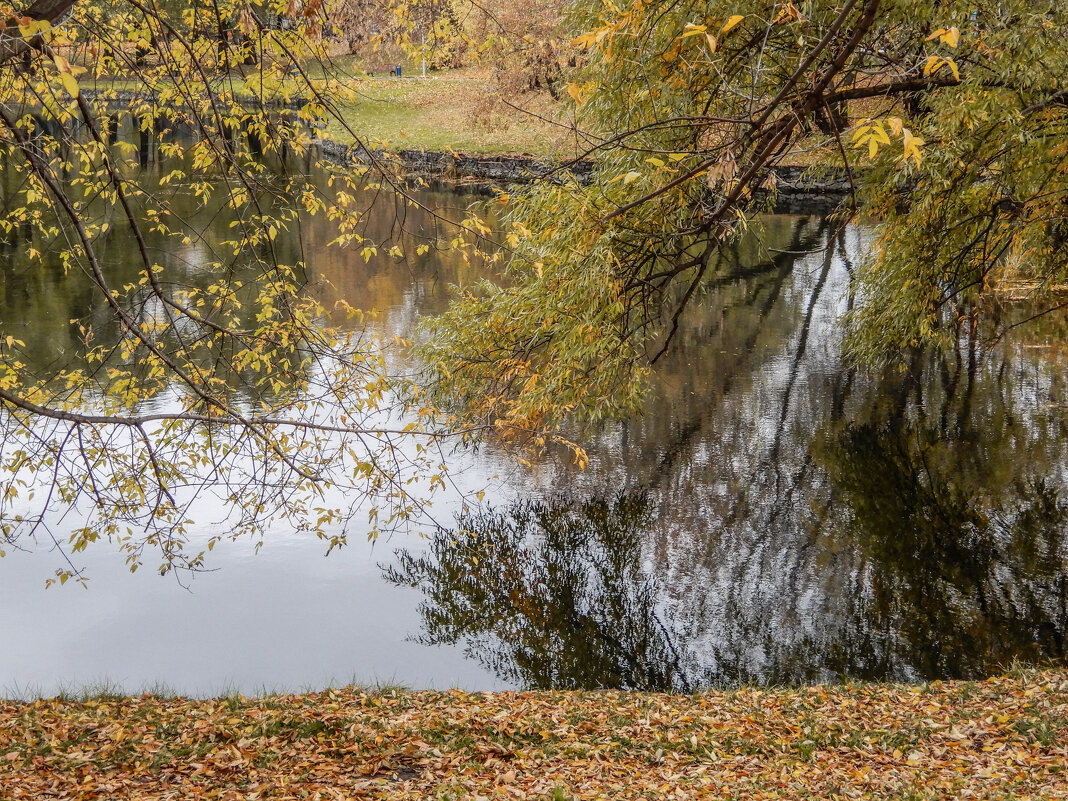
[(459, 110)]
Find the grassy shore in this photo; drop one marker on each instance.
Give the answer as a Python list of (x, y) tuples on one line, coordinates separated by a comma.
[(458, 111), (1002, 738)]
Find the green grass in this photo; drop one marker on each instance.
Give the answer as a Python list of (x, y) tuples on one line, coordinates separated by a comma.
[(456, 110), (445, 112)]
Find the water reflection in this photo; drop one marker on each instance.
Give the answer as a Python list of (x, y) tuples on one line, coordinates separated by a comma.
[(774, 516), (286, 619), (549, 594), (58, 312), (963, 536), (784, 517)]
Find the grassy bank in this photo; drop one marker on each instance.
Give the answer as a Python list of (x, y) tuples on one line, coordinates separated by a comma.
[(1002, 738), (458, 110)]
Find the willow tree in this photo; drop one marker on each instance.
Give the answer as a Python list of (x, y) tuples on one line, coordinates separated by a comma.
[(228, 378), (948, 118)]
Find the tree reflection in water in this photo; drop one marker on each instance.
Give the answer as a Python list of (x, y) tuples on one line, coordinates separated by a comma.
[(549, 594), (965, 541), (783, 517), (558, 594)]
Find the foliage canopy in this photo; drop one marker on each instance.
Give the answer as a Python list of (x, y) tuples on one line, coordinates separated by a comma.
[(947, 117)]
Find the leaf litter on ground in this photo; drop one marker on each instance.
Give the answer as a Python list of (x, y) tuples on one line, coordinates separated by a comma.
[(1006, 737)]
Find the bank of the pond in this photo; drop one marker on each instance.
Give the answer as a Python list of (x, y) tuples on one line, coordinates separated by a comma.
[(798, 189), (1002, 738)]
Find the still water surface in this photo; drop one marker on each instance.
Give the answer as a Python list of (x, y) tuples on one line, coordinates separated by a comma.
[(773, 516)]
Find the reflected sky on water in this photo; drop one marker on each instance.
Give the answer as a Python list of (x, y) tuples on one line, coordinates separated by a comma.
[(774, 516)]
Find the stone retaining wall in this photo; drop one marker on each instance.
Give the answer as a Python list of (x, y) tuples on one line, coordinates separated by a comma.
[(796, 191), (126, 97)]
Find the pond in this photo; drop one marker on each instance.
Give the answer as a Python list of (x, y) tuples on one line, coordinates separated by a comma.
[(774, 516)]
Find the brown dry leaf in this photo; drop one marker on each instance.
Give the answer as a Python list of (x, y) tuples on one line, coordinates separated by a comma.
[(723, 171)]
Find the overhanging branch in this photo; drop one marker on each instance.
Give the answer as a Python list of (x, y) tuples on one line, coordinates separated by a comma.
[(13, 45)]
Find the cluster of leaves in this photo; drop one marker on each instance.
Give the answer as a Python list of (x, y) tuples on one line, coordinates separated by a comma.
[(687, 107), (985, 211), (994, 739), (690, 107)]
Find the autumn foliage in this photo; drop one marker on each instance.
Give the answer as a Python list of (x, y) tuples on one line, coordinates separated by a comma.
[(1002, 738)]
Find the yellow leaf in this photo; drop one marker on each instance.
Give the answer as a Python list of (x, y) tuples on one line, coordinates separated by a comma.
[(787, 13), (631, 177), (585, 40), (70, 83), (693, 30), (711, 42), (947, 36), (935, 63), (588, 40), (912, 146), (873, 147), (578, 92), (731, 23), (33, 27)]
